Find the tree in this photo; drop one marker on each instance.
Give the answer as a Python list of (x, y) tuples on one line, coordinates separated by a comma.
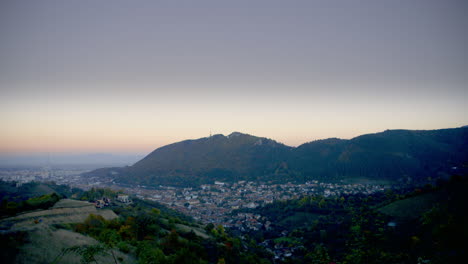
[(148, 254), (209, 227), (87, 252), (319, 255), (186, 256), (110, 239), (321, 203), (171, 242)]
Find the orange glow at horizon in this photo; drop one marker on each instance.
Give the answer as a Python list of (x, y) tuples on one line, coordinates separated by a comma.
[(141, 125)]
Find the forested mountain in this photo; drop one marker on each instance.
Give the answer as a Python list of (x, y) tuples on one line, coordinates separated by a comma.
[(224, 158), (393, 155)]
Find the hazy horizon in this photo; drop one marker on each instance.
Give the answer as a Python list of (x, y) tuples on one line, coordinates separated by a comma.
[(110, 158), (129, 77), (54, 159)]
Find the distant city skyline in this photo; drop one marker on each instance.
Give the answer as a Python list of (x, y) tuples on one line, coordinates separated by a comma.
[(131, 76)]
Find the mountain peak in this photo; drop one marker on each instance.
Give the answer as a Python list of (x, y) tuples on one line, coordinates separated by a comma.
[(393, 156), (237, 134)]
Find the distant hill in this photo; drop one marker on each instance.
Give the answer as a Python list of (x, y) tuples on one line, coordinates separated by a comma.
[(405, 155), (224, 158), (392, 155)]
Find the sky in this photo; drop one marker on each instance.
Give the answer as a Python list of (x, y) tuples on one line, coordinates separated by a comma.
[(131, 76)]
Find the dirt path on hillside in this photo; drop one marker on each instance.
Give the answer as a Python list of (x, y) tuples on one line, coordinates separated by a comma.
[(45, 242), (64, 211)]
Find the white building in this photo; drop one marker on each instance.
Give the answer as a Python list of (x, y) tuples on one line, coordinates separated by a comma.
[(123, 198)]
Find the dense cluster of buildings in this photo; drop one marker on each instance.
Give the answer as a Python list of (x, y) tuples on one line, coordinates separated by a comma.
[(62, 175), (213, 203), (209, 203)]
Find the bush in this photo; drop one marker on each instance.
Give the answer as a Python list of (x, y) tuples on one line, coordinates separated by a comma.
[(41, 202), (124, 247)]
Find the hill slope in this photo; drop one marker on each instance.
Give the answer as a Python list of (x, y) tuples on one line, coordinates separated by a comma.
[(40, 242), (395, 155), (225, 158)]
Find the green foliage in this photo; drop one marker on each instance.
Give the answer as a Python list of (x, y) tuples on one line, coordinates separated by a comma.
[(98, 193), (184, 255), (353, 229), (110, 237), (42, 202), (143, 232), (147, 254), (46, 201), (287, 241), (93, 225), (209, 227), (124, 247), (318, 256), (88, 253)]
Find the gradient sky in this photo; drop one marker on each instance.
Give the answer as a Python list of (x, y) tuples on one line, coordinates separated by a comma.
[(130, 76)]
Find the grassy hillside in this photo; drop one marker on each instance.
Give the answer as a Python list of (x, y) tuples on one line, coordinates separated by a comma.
[(33, 237), (411, 208)]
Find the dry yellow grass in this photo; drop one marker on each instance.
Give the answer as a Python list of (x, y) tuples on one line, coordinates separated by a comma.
[(46, 242)]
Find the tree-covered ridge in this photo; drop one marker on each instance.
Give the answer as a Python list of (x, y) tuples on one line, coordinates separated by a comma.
[(395, 155), (356, 229), (17, 198), (10, 208)]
